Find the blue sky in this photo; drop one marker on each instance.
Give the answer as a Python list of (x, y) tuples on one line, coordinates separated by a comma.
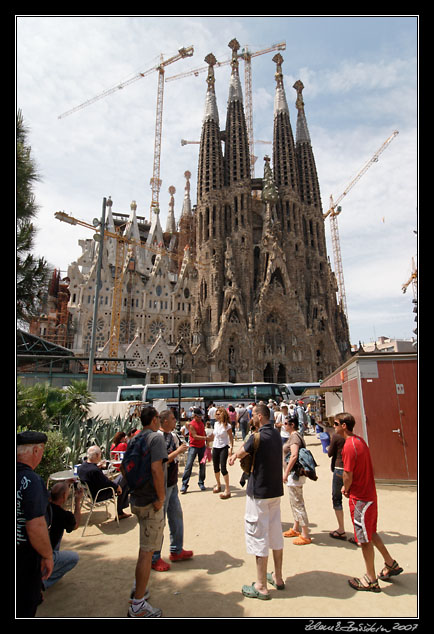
[(361, 83)]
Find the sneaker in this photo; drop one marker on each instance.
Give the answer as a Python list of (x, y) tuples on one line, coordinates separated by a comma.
[(143, 610), (202, 487), (184, 554), (184, 489), (145, 596)]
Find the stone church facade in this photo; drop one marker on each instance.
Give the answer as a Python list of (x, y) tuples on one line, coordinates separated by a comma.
[(243, 280)]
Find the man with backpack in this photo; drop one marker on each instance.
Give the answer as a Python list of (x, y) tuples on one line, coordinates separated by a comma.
[(144, 468), (242, 419)]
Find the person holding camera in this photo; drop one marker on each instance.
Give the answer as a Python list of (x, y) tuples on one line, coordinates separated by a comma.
[(63, 520)]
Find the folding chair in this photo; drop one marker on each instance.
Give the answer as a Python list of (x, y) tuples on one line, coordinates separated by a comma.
[(94, 502)]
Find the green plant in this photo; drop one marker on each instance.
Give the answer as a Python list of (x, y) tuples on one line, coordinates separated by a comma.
[(55, 456)]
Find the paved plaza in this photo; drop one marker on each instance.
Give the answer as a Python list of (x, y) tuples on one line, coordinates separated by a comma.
[(209, 585)]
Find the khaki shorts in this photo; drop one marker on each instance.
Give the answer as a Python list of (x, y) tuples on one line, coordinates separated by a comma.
[(151, 524)]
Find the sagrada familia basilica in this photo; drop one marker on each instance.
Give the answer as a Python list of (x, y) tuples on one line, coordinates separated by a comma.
[(242, 280)]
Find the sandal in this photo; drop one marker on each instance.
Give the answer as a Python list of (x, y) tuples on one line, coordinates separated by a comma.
[(217, 488), (270, 580), (391, 571), (302, 541), (372, 586), (291, 533), (338, 535), (161, 566), (252, 593), (224, 496)]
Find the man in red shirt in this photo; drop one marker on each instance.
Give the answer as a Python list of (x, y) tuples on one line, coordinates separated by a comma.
[(359, 487), (196, 429)]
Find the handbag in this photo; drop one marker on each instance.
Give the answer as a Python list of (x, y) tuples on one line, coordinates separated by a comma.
[(247, 463)]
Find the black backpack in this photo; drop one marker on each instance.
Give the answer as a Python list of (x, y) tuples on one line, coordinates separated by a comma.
[(136, 465)]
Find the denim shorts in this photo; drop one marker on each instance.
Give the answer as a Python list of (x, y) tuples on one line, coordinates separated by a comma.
[(151, 524), (337, 489)]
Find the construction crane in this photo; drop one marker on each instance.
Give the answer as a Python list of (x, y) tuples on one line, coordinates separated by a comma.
[(247, 56), (334, 210), (160, 68), (412, 280), (122, 243)]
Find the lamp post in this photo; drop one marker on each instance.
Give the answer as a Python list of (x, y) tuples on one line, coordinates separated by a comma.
[(179, 360), (98, 237)]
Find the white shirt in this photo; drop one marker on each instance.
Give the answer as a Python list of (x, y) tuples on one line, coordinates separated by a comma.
[(211, 412), (221, 436)]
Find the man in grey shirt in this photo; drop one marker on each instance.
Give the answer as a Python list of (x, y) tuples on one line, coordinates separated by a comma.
[(147, 503)]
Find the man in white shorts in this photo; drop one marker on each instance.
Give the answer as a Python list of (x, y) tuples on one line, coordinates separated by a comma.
[(263, 527)]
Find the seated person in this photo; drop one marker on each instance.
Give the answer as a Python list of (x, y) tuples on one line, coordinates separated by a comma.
[(119, 444), (62, 520), (91, 473)]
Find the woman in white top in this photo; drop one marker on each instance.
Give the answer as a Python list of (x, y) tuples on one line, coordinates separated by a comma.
[(279, 421), (222, 445)]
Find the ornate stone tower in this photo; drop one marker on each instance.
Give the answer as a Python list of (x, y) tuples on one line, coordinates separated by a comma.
[(265, 304)]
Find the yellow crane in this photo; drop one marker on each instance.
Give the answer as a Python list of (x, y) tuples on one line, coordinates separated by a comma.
[(160, 68), (334, 210), (411, 280), (247, 56)]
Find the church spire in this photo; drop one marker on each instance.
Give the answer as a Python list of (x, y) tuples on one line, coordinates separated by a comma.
[(210, 171), (237, 154), (284, 159), (302, 130), (186, 206), (170, 222), (309, 185)]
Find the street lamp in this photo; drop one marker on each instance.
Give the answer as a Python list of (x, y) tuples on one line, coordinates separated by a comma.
[(179, 360)]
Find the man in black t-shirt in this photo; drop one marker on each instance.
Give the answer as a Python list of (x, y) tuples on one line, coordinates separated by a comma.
[(34, 554), (263, 527), (62, 520)]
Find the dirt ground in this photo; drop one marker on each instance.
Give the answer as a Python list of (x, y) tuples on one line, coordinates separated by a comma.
[(209, 585)]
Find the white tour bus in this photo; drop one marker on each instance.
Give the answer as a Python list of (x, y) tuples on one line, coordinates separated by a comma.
[(205, 393), (295, 391)]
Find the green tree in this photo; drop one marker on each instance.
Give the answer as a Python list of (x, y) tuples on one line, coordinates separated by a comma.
[(32, 272)]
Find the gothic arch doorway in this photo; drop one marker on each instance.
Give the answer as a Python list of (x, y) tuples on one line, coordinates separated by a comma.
[(281, 374), (268, 374)]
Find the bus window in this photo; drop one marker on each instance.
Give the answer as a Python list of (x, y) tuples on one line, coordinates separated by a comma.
[(264, 393), (158, 392), (237, 393), (188, 392), (130, 393), (213, 393)]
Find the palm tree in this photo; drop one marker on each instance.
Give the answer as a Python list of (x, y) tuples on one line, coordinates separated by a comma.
[(79, 398)]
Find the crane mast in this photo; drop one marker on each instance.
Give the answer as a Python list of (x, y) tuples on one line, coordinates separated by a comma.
[(334, 210), (155, 180)]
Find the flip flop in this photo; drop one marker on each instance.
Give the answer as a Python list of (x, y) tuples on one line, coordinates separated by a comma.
[(252, 593), (270, 580), (337, 535)]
